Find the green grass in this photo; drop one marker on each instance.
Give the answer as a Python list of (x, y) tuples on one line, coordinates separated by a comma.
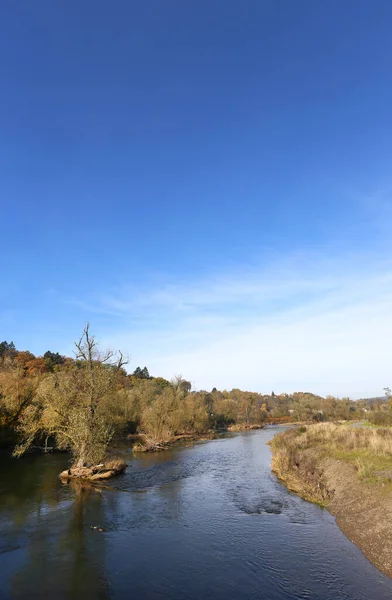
[(367, 465), (373, 426)]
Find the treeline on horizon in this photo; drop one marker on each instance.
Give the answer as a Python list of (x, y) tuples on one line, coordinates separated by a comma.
[(81, 404)]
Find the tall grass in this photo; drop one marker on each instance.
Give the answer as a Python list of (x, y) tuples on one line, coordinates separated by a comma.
[(298, 455), (115, 463), (376, 441)]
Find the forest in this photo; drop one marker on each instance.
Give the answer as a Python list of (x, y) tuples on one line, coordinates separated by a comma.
[(85, 403)]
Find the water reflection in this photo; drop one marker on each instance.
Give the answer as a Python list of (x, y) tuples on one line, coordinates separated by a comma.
[(47, 544), (203, 522)]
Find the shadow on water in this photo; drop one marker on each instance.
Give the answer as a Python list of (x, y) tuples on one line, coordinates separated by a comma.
[(205, 522), (47, 547)]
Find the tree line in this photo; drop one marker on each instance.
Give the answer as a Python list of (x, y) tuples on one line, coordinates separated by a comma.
[(84, 403)]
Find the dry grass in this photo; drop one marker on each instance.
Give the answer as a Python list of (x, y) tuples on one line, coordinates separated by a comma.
[(375, 441), (243, 427), (148, 444), (363, 468), (117, 464), (348, 470), (298, 455)]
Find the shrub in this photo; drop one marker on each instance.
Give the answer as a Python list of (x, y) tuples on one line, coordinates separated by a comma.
[(380, 418)]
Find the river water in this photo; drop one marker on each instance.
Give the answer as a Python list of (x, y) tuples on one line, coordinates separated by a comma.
[(206, 522)]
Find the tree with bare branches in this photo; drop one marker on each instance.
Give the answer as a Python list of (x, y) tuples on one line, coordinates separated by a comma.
[(71, 405)]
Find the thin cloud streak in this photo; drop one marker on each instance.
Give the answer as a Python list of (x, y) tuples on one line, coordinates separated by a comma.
[(318, 326)]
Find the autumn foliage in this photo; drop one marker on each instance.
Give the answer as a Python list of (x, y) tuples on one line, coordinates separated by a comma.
[(81, 404)]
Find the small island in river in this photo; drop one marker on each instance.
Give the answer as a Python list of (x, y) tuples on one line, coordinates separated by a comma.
[(89, 405)]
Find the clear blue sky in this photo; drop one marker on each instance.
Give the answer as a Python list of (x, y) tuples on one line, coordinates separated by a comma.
[(172, 170)]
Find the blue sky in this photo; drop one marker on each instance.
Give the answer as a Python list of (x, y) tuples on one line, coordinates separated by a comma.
[(208, 183)]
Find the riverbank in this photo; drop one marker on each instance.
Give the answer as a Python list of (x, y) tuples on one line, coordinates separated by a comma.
[(207, 520), (142, 443), (348, 471)]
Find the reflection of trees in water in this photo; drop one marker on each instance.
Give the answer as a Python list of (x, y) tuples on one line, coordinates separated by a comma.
[(149, 496), (65, 558), (28, 483), (60, 555)]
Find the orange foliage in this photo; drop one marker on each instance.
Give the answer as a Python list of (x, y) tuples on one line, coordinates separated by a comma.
[(24, 357), (37, 366), (279, 420)]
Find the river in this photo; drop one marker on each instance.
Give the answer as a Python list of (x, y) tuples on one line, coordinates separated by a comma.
[(203, 522)]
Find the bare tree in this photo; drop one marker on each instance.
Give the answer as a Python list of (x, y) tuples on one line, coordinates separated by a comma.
[(71, 405)]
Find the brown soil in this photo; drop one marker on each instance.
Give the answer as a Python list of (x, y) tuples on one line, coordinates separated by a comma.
[(363, 512), (145, 445)]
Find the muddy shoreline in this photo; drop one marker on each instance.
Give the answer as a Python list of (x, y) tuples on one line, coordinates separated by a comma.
[(143, 445), (363, 510)]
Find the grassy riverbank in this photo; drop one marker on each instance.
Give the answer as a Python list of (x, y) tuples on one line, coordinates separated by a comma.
[(349, 471)]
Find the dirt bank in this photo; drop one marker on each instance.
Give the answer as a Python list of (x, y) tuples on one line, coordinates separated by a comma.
[(143, 444), (341, 471), (241, 427)]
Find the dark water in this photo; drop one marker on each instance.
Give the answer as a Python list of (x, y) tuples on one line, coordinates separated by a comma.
[(204, 522)]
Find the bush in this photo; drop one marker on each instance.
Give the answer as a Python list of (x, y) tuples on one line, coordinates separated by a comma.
[(380, 418)]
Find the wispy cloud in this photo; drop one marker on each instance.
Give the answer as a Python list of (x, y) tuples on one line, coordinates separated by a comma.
[(300, 323)]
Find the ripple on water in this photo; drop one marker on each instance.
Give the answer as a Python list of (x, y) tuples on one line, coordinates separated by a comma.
[(208, 522)]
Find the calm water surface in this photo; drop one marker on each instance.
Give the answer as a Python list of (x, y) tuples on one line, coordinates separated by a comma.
[(204, 522)]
